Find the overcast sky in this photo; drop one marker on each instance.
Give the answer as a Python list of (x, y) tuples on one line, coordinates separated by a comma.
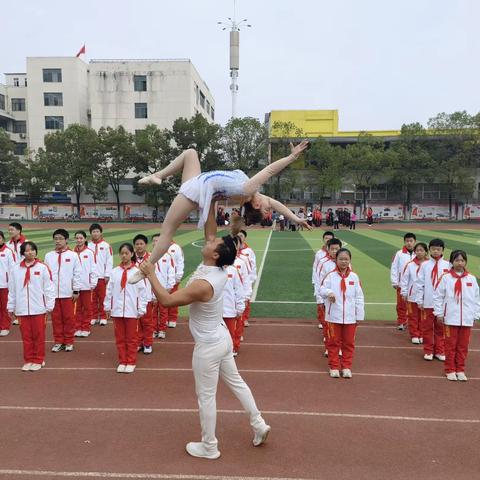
[(381, 63)]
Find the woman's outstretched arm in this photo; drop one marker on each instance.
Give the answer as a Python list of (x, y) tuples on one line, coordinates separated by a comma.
[(279, 207), (253, 185)]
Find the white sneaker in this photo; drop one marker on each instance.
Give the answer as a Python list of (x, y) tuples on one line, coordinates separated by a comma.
[(136, 277), (440, 357), (147, 350), (461, 376), (261, 436), (4, 333), (129, 368), (246, 324), (84, 333), (340, 354), (428, 356), (26, 367), (320, 326), (416, 340), (93, 321), (57, 348), (241, 338), (36, 366), (103, 322), (171, 324), (325, 353), (235, 354), (334, 373), (402, 327), (155, 334), (162, 334), (69, 348), (16, 322), (346, 373), (78, 333), (198, 449), (452, 376), (121, 368), (420, 340)]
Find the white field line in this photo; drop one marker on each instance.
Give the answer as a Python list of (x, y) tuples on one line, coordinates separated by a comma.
[(310, 303), (240, 412), (260, 270)]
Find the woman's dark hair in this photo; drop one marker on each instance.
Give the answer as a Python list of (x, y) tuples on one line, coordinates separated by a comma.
[(95, 226), (140, 237), (436, 242), (82, 233), (227, 251), (344, 250), (421, 244), (334, 241), (128, 246), (251, 215), (62, 232), (454, 255), (24, 246)]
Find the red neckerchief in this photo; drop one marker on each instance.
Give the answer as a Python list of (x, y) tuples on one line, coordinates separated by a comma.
[(96, 244), (78, 250), (145, 257), (343, 284), (324, 248), (434, 274), (21, 239), (123, 282), (3, 247), (405, 250), (26, 281), (458, 284)]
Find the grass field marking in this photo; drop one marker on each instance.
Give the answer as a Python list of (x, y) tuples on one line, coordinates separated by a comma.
[(260, 270), (312, 303), (242, 412)]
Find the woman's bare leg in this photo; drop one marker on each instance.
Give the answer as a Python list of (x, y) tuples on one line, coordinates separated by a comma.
[(187, 163)]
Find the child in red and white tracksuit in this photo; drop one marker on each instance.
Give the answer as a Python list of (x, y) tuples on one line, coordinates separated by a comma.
[(31, 296), (408, 292), (17, 239), (344, 307), (88, 283), (7, 262), (178, 263), (456, 304), (66, 272), (125, 303), (319, 258), (242, 269), (400, 259), (104, 257), (427, 279), (234, 298), (247, 254)]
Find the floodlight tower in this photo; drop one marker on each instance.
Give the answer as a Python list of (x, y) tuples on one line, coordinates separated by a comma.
[(234, 27)]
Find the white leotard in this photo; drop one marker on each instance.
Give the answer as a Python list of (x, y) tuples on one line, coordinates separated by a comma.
[(215, 185)]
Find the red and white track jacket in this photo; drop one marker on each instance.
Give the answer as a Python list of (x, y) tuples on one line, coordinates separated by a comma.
[(400, 259), (178, 259), (165, 271), (7, 262), (129, 301), (89, 274), (349, 303), (66, 272), (104, 256), (427, 279), (408, 278), (31, 290), (242, 267), (319, 256), (147, 284), (234, 296), (15, 247), (324, 267), (251, 259), (459, 308)]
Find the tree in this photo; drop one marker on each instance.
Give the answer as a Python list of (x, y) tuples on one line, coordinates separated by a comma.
[(244, 141), (118, 158), (8, 162), (75, 153)]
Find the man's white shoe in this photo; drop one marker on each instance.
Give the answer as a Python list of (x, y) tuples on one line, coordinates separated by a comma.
[(246, 324), (16, 322), (420, 340), (69, 348), (4, 333), (129, 368), (26, 367), (136, 277), (461, 376), (346, 373), (103, 322), (235, 354), (402, 327), (452, 376), (325, 353), (121, 368), (334, 373), (198, 449), (162, 334), (36, 366), (171, 324), (416, 340), (93, 321), (261, 436), (147, 350), (84, 333), (428, 356), (78, 333), (440, 357), (57, 347), (320, 326)]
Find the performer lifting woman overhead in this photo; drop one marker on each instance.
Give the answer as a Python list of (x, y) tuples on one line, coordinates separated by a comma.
[(199, 189)]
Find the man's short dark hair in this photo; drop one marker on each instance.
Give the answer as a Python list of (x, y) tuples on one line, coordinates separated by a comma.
[(334, 241), (95, 226), (409, 235), (436, 242), (328, 232), (155, 235), (62, 232), (16, 225), (244, 233), (227, 251), (140, 236)]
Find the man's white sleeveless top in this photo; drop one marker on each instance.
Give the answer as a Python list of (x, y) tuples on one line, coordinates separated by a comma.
[(215, 185), (206, 318)]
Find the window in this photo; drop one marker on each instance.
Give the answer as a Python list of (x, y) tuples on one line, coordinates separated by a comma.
[(25, 81), (208, 107), (52, 74), (20, 126), (140, 83), (212, 113), (18, 104), (202, 99), (197, 96), (141, 110), (53, 99), (19, 148), (16, 83), (2, 102), (53, 123)]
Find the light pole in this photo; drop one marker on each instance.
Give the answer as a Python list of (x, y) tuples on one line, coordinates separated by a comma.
[(234, 27)]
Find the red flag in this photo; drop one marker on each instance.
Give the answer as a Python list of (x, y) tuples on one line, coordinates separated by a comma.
[(82, 50)]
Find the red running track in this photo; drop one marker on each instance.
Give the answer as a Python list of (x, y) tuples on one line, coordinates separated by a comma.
[(398, 418)]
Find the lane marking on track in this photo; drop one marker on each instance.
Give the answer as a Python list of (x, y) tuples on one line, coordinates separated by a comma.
[(260, 270), (311, 303), (242, 412)]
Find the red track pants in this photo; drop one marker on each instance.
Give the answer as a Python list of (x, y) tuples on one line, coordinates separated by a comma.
[(456, 347), (235, 327), (172, 312), (4, 318), (126, 339), (83, 311), (98, 297), (160, 317), (401, 309), (432, 333), (340, 336), (32, 329), (63, 321), (414, 315), (145, 327), (246, 313)]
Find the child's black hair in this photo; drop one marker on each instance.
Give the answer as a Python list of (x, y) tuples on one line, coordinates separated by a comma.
[(334, 241), (16, 225), (344, 250), (436, 242), (458, 253), (409, 235), (421, 244), (328, 232), (140, 237), (95, 226), (62, 232), (26, 244), (81, 232), (129, 246)]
